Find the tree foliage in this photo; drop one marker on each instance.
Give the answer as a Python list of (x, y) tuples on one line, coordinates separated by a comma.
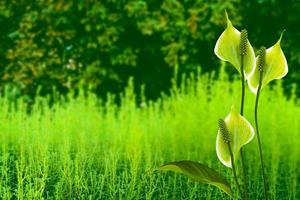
[(100, 44)]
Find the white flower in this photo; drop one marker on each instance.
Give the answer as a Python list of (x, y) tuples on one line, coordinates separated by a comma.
[(275, 67), (228, 49), (240, 133)]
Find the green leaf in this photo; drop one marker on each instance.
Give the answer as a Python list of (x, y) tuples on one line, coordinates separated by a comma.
[(200, 173), (240, 133), (228, 49), (275, 67)]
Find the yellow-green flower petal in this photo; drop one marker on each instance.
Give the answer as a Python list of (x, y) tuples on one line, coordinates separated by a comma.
[(275, 67), (228, 49), (240, 133)]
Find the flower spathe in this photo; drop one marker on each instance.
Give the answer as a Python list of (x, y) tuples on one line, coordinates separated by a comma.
[(240, 133), (228, 49), (275, 67)]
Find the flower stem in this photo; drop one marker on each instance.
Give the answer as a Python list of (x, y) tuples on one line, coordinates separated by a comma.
[(242, 113), (258, 137), (234, 171)]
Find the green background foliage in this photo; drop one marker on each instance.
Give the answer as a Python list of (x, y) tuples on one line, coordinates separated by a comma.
[(100, 44), (84, 149)]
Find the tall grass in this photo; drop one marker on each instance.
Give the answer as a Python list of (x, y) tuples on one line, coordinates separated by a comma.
[(83, 148)]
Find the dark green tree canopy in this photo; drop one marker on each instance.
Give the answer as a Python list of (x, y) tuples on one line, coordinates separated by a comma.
[(100, 44)]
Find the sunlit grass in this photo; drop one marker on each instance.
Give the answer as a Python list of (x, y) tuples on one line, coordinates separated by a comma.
[(86, 149)]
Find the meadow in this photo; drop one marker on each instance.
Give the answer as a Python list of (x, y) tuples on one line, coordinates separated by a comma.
[(85, 148)]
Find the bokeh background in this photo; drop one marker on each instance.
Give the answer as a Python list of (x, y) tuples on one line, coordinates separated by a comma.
[(48, 45)]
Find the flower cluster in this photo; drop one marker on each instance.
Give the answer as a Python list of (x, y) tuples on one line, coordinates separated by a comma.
[(234, 47), (235, 131)]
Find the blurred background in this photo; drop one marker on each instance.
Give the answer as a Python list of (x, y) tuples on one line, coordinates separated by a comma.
[(60, 46)]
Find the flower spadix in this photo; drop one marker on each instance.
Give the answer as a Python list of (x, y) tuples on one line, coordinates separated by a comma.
[(236, 131), (273, 66), (233, 46)]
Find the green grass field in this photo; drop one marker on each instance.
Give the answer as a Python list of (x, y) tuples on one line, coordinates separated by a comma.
[(86, 149)]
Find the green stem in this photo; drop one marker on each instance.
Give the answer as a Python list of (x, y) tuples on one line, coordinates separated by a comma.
[(234, 171), (242, 113), (258, 137)]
